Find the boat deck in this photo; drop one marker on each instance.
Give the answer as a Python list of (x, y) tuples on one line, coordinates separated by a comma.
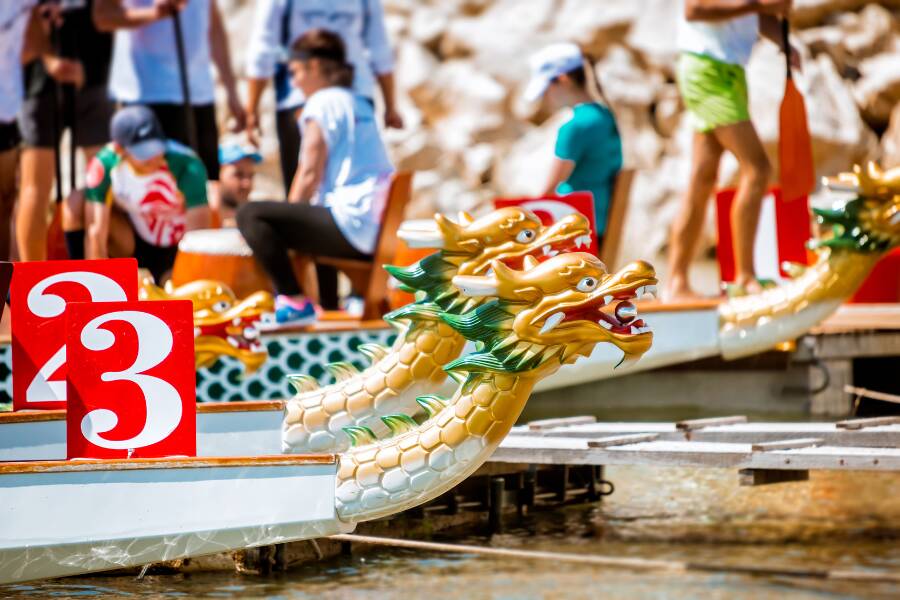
[(728, 442)]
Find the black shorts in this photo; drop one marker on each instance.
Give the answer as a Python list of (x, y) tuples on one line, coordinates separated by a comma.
[(174, 124), (9, 136), (156, 259), (93, 111)]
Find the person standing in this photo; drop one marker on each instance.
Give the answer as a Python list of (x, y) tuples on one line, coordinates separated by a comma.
[(145, 67), (79, 41), (588, 151), (24, 37), (278, 25), (715, 38)]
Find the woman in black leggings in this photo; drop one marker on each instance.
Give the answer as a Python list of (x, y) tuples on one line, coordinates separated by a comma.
[(336, 200)]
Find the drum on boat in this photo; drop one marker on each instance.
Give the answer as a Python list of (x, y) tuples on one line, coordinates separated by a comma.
[(222, 255)]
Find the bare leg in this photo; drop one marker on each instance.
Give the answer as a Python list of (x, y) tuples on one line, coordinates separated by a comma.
[(687, 225), (741, 140), (73, 206), (34, 203), (8, 161)]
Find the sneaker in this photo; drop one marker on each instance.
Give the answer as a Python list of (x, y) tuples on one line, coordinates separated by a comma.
[(290, 313)]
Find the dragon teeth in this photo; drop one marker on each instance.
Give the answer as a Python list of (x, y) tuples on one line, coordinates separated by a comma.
[(197, 332), (648, 290), (552, 321), (604, 324), (233, 341), (546, 250), (607, 300), (582, 240)]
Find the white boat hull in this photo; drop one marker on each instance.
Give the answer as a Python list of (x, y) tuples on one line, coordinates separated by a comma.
[(67, 518)]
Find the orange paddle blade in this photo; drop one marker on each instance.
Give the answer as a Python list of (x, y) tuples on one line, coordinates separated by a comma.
[(794, 146), (56, 239)]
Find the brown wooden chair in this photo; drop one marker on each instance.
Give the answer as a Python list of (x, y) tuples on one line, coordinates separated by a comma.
[(615, 221), (369, 278)]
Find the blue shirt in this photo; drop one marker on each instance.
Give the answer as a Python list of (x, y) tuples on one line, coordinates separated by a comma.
[(591, 140)]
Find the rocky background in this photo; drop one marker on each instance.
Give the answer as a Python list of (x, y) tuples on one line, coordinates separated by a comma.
[(462, 64)]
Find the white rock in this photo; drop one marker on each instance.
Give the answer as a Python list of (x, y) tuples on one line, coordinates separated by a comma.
[(878, 90), (890, 141)]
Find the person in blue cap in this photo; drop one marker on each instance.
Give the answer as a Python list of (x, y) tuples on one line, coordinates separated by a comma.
[(144, 192), (588, 151), (237, 172)]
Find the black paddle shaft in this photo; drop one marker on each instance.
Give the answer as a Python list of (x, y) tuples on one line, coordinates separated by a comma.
[(183, 75), (785, 30)]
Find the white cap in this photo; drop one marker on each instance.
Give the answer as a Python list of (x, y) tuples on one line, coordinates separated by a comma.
[(548, 64)]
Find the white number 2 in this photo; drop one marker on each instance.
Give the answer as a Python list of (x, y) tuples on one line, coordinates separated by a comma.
[(48, 305), (162, 399)]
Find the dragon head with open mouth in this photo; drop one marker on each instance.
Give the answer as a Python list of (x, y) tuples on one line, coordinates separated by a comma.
[(470, 246), (223, 325), (567, 304), (870, 222)]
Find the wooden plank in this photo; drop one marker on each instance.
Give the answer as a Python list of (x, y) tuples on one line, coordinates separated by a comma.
[(695, 424), (656, 306), (32, 416), (560, 422), (786, 444), (856, 317), (872, 394), (243, 406), (696, 454), (174, 462), (749, 433), (754, 477), (622, 440), (870, 422)]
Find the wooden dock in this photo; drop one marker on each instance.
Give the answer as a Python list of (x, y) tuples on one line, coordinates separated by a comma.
[(762, 452)]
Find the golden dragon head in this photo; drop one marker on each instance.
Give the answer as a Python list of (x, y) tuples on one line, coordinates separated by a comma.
[(223, 325), (470, 246), (560, 308), (870, 222)]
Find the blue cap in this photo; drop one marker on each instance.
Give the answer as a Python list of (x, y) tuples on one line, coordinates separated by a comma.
[(137, 130), (231, 153)]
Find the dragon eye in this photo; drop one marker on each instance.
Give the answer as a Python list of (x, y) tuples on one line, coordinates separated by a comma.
[(587, 284), (525, 236), (221, 306)]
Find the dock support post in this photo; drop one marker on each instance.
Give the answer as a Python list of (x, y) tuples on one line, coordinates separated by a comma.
[(495, 505), (525, 499)]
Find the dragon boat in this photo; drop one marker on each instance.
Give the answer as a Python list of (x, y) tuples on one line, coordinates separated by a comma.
[(538, 319)]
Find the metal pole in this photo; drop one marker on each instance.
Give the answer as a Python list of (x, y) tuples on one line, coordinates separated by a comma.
[(185, 89)]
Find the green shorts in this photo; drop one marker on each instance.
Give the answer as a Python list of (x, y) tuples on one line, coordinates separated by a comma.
[(714, 92)]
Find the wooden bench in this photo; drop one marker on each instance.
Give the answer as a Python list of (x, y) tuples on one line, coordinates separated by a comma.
[(369, 278)]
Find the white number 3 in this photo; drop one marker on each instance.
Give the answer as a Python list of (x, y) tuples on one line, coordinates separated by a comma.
[(162, 399)]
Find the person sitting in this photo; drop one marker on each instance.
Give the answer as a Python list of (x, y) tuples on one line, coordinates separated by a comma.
[(337, 198), (588, 152), (143, 192), (236, 173)]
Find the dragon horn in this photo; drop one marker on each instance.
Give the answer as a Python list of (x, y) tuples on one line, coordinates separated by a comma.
[(432, 403)]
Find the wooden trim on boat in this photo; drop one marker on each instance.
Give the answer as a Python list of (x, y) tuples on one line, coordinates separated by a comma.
[(242, 406), (172, 462), (335, 326), (698, 304), (34, 416)]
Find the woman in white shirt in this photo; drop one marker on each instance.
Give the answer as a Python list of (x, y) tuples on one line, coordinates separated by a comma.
[(278, 24), (337, 198)]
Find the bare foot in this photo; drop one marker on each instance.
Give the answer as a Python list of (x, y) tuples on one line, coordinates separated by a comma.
[(749, 285)]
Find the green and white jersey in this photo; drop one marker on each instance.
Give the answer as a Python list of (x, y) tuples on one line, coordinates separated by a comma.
[(155, 202)]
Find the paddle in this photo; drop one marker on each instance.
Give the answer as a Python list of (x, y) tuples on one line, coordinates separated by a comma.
[(56, 245), (183, 76), (794, 144)]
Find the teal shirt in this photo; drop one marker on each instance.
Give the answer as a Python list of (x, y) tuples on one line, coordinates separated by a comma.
[(591, 140)]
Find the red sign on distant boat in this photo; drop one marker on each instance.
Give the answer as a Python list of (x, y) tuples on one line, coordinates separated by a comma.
[(551, 209), (131, 381), (39, 296)]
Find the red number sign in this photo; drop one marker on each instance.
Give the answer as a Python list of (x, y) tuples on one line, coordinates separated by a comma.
[(40, 292), (552, 208), (781, 235), (131, 381)]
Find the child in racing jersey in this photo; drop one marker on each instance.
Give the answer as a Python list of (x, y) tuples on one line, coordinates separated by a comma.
[(143, 193)]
